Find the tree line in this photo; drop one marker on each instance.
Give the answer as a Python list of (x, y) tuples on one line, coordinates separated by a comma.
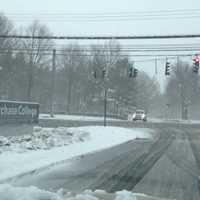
[(26, 75)]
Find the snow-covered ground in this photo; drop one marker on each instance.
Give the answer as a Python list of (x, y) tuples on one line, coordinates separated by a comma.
[(177, 121), (186, 121), (8, 192), (48, 146), (74, 117)]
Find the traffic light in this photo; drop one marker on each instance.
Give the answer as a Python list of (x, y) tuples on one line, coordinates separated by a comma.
[(130, 72), (103, 73), (196, 64), (94, 74), (167, 69), (135, 72)]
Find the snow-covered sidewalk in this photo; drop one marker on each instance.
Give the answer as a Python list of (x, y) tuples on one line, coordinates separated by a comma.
[(48, 146)]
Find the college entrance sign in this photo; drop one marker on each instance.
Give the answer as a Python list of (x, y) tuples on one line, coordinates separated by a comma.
[(18, 112)]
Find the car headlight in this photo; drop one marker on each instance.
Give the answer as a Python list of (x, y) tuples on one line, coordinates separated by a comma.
[(143, 116)]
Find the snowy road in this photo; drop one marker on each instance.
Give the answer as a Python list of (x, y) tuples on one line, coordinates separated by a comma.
[(168, 167)]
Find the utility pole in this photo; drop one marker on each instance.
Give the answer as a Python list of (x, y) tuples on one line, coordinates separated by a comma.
[(156, 66), (53, 82), (30, 80), (182, 102), (104, 77), (181, 90), (105, 106)]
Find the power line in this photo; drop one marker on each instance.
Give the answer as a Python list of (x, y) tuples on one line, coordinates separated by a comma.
[(119, 55), (136, 37), (113, 16), (102, 50), (180, 11), (114, 19), (161, 59), (121, 47)]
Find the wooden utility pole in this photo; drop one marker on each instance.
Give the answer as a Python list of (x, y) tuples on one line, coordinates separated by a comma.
[(53, 82), (105, 106), (156, 66)]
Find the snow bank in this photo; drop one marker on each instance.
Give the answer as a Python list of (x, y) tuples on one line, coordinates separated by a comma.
[(14, 163), (74, 117), (125, 195), (9, 192), (42, 138)]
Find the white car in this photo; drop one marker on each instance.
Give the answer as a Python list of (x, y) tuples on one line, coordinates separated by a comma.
[(139, 115)]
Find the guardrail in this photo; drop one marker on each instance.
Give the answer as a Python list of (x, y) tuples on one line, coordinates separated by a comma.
[(18, 112)]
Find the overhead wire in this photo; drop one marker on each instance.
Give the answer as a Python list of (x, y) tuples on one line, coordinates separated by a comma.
[(112, 16), (102, 37), (119, 55)]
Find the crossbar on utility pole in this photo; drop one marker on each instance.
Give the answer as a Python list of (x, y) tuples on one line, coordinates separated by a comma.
[(53, 82)]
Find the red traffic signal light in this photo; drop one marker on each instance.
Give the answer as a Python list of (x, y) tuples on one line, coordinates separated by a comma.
[(196, 64), (196, 60)]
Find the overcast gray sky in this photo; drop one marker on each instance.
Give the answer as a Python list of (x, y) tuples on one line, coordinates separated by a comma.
[(144, 27), (99, 6)]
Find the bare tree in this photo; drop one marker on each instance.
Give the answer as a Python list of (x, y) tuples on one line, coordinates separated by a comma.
[(35, 51), (73, 63), (6, 27), (182, 88)]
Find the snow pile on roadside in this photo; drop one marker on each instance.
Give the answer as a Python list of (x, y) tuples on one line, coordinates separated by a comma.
[(4, 141), (42, 138), (96, 138), (9, 192), (75, 117)]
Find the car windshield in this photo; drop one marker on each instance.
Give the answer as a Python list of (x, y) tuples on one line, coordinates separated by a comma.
[(139, 112), (99, 100)]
